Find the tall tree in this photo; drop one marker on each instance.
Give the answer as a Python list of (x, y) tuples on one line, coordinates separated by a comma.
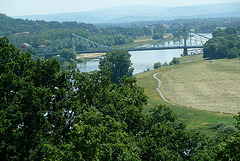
[(119, 63)]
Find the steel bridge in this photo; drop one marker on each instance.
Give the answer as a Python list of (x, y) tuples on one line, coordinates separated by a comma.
[(83, 45)]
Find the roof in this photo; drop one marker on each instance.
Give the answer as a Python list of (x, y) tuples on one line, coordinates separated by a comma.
[(26, 44)]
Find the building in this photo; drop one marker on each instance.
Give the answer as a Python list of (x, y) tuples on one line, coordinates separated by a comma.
[(221, 28), (24, 47), (23, 33), (41, 47)]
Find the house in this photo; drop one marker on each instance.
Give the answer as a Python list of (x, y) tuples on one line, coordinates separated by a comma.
[(41, 47), (23, 33), (221, 28), (24, 47)]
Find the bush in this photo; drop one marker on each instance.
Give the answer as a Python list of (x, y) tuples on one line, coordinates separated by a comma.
[(165, 64), (176, 60), (157, 65), (233, 53), (157, 36), (220, 125), (229, 129)]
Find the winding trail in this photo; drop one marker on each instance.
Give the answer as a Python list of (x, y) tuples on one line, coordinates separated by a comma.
[(158, 88)]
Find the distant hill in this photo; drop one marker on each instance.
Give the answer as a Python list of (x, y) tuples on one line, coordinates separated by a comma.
[(143, 13), (10, 26)]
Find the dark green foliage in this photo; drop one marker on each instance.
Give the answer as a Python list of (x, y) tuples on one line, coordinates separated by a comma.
[(133, 32), (233, 53), (52, 114), (43, 106), (165, 138), (231, 30), (157, 36), (165, 64), (178, 33), (110, 40), (10, 26), (119, 63), (238, 121), (219, 33), (224, 44), (157, 65), (68, 53), (175, 61), (32, 102), (159, 29)]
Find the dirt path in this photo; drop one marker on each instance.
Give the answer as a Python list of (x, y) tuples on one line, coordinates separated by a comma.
[(158, 88)]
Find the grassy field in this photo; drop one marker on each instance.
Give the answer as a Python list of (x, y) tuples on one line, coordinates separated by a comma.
[(201, 82), (210, 85)]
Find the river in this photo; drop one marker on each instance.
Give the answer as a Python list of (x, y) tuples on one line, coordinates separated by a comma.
[(142, 60)]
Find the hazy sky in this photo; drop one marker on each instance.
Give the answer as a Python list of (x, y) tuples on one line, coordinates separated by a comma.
[(31, 7)]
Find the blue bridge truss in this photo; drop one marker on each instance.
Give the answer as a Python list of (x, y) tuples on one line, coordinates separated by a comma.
[(83, 45)]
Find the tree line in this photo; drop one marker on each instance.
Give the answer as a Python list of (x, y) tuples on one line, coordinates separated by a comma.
[(224, 44), (10, 26), (48, 113)]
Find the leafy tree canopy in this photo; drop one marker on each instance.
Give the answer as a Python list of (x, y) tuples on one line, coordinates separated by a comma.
[(119, 63), (52, 114), (224, 44)]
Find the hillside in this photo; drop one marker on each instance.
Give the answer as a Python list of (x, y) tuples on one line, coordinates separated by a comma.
[(210, 85), (178, 87), (10, 26)]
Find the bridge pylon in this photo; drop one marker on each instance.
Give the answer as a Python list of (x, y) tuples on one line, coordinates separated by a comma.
[(185, 50)]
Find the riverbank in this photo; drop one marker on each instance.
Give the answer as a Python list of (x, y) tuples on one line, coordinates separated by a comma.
[(90, 56)]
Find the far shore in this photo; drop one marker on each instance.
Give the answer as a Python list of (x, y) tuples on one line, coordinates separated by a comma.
[(90, 55)]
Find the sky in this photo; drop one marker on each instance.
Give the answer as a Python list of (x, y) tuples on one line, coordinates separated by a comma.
[(41, 7)]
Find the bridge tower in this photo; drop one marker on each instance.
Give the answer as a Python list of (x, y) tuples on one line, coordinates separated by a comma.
[(185, 50)]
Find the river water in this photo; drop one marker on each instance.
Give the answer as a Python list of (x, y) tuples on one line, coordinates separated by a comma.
[(142, 60)]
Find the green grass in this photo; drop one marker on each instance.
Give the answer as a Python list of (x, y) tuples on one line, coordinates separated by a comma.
[(210, 85), (200, 119)]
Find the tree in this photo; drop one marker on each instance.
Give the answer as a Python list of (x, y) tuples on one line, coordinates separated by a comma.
[(51, 114), (160, 29), (157, 36), (227, 146), (219, 32), (119, 63), (175, 60), (210, 50), (46, 112), (165, 64), (231, 30), (33, 103), (233, 53), (68, 53), (165, 138), (224, 44), (178, 33), (157, 65)]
